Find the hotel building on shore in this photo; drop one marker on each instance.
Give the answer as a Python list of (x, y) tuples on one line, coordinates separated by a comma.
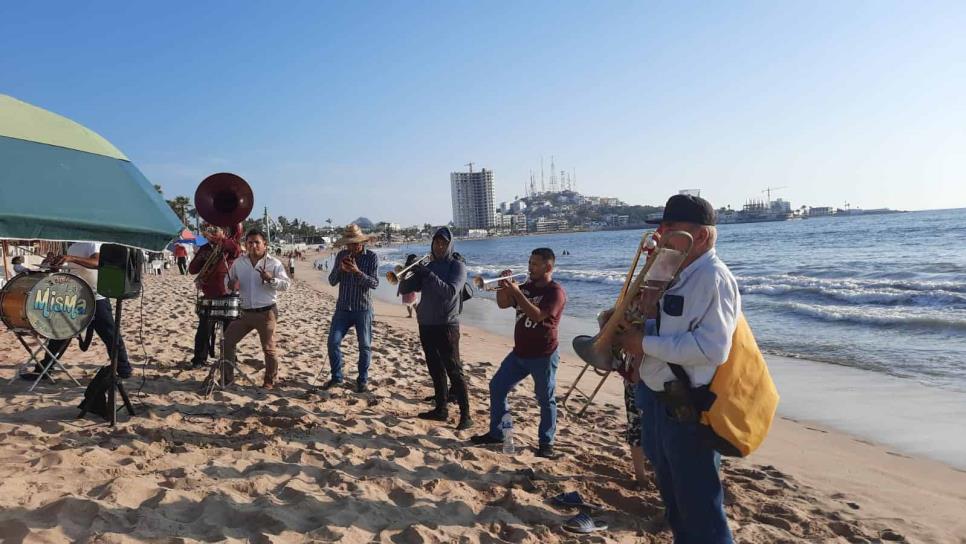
[(472, 194)]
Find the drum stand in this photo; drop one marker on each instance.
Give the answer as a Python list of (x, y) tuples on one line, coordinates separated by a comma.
[(44, 370), (216, 376)]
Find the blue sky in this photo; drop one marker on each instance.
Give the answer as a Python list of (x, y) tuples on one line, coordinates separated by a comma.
[(342, 109)]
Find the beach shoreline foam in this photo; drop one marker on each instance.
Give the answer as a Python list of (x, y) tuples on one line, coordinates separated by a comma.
[(297, 465)]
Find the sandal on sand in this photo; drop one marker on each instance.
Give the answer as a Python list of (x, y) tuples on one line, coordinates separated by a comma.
[(573, 499), (584, 524)]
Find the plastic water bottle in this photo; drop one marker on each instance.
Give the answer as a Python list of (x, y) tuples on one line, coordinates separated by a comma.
[(507, 425)]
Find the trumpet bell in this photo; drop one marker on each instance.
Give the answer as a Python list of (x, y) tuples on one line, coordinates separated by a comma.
[(392, 277), (479, 283), (599, 357)]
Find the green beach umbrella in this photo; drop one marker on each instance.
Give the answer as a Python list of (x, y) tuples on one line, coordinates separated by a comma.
[(62, 181)]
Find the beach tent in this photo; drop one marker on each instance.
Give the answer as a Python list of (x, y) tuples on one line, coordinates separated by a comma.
[(62, 181)]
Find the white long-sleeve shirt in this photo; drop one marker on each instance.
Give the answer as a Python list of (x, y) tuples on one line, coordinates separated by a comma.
[(254, 293), (706, 299)]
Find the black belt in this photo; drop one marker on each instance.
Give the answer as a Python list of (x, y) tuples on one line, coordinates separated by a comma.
[(258, 310)]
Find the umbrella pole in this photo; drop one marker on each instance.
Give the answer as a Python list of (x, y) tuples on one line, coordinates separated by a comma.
[(6, 271)]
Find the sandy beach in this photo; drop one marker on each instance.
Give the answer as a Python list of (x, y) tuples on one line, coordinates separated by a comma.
[(297, 464)]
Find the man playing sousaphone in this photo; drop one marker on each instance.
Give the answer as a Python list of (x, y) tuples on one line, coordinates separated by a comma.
[(354, 272), (680, 350), (211, 264)]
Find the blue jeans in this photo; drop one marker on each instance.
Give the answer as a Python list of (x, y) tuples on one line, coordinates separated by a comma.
[(687, 473), (512, 371), (342, 321)]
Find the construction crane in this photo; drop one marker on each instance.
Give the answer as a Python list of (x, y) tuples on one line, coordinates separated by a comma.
[(470, 164), (768, 191)]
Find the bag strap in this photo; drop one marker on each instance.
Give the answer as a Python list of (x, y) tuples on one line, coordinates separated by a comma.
[(678, 370), (680, 374)]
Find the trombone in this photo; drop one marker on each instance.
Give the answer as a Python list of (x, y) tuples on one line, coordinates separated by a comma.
[(399, 272), (493, 284), (599, 352)]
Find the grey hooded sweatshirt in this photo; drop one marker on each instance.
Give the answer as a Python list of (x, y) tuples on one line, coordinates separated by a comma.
[(440, 287)]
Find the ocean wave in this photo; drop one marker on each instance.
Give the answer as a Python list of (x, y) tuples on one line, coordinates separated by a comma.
[(881, 297), (852, 284), (900, 318)]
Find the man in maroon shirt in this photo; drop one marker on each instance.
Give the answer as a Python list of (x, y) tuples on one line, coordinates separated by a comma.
[(539, 305), (212, 285)]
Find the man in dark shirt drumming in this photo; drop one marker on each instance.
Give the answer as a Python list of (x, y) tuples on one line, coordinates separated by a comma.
[(539, 305)]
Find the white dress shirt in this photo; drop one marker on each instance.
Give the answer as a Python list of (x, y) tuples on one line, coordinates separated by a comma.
[(85, 250), (700, 338), (254, 293)]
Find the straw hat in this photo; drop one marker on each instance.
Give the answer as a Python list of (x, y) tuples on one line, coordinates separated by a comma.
[(352, 234)]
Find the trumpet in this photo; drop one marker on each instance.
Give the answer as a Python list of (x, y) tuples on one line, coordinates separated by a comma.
[(399, 272), (493, 284)]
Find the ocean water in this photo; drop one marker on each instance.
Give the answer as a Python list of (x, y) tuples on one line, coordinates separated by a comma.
[(885, 293)]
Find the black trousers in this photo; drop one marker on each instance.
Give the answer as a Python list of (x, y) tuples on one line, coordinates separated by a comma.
[(103, 324), (183, 265), (202, 339), (441, 345)]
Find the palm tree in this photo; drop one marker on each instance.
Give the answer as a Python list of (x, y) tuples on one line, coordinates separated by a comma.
[(180, 206)]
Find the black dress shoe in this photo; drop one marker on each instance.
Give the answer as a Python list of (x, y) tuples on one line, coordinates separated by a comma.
[(32, 376), (330, 384), (545, 451), (435, 415), (485, 438), (451, 398), (465, 423)]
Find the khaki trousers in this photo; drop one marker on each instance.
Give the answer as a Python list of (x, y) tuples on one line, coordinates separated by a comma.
[(264, 323)]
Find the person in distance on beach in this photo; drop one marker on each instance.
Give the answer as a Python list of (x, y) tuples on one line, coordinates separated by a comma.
[(441, 284), (698, 316), (259, 277), (354, 271), (539, 304)]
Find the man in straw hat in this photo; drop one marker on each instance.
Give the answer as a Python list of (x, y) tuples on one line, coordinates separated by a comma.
[(354, 272)]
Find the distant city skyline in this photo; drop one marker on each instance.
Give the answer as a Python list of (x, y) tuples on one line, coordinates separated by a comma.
[(340, 110)]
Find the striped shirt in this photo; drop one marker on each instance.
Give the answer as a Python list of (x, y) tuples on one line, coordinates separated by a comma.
[(354, 288)]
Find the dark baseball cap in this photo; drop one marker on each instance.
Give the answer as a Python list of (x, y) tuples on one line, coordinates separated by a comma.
[(687, 209)]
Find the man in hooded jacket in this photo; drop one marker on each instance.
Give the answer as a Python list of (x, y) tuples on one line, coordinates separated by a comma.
[(441, 284)]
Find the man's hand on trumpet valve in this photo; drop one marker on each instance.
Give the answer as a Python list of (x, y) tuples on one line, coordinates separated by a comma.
[(507, 283)]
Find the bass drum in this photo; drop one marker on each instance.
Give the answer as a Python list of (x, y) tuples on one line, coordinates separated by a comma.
[(55, 305)]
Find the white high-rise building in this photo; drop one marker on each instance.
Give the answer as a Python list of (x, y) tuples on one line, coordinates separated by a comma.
[(472, 194)]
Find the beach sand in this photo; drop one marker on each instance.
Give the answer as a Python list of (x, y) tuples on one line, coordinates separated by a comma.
[(297, 464)]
